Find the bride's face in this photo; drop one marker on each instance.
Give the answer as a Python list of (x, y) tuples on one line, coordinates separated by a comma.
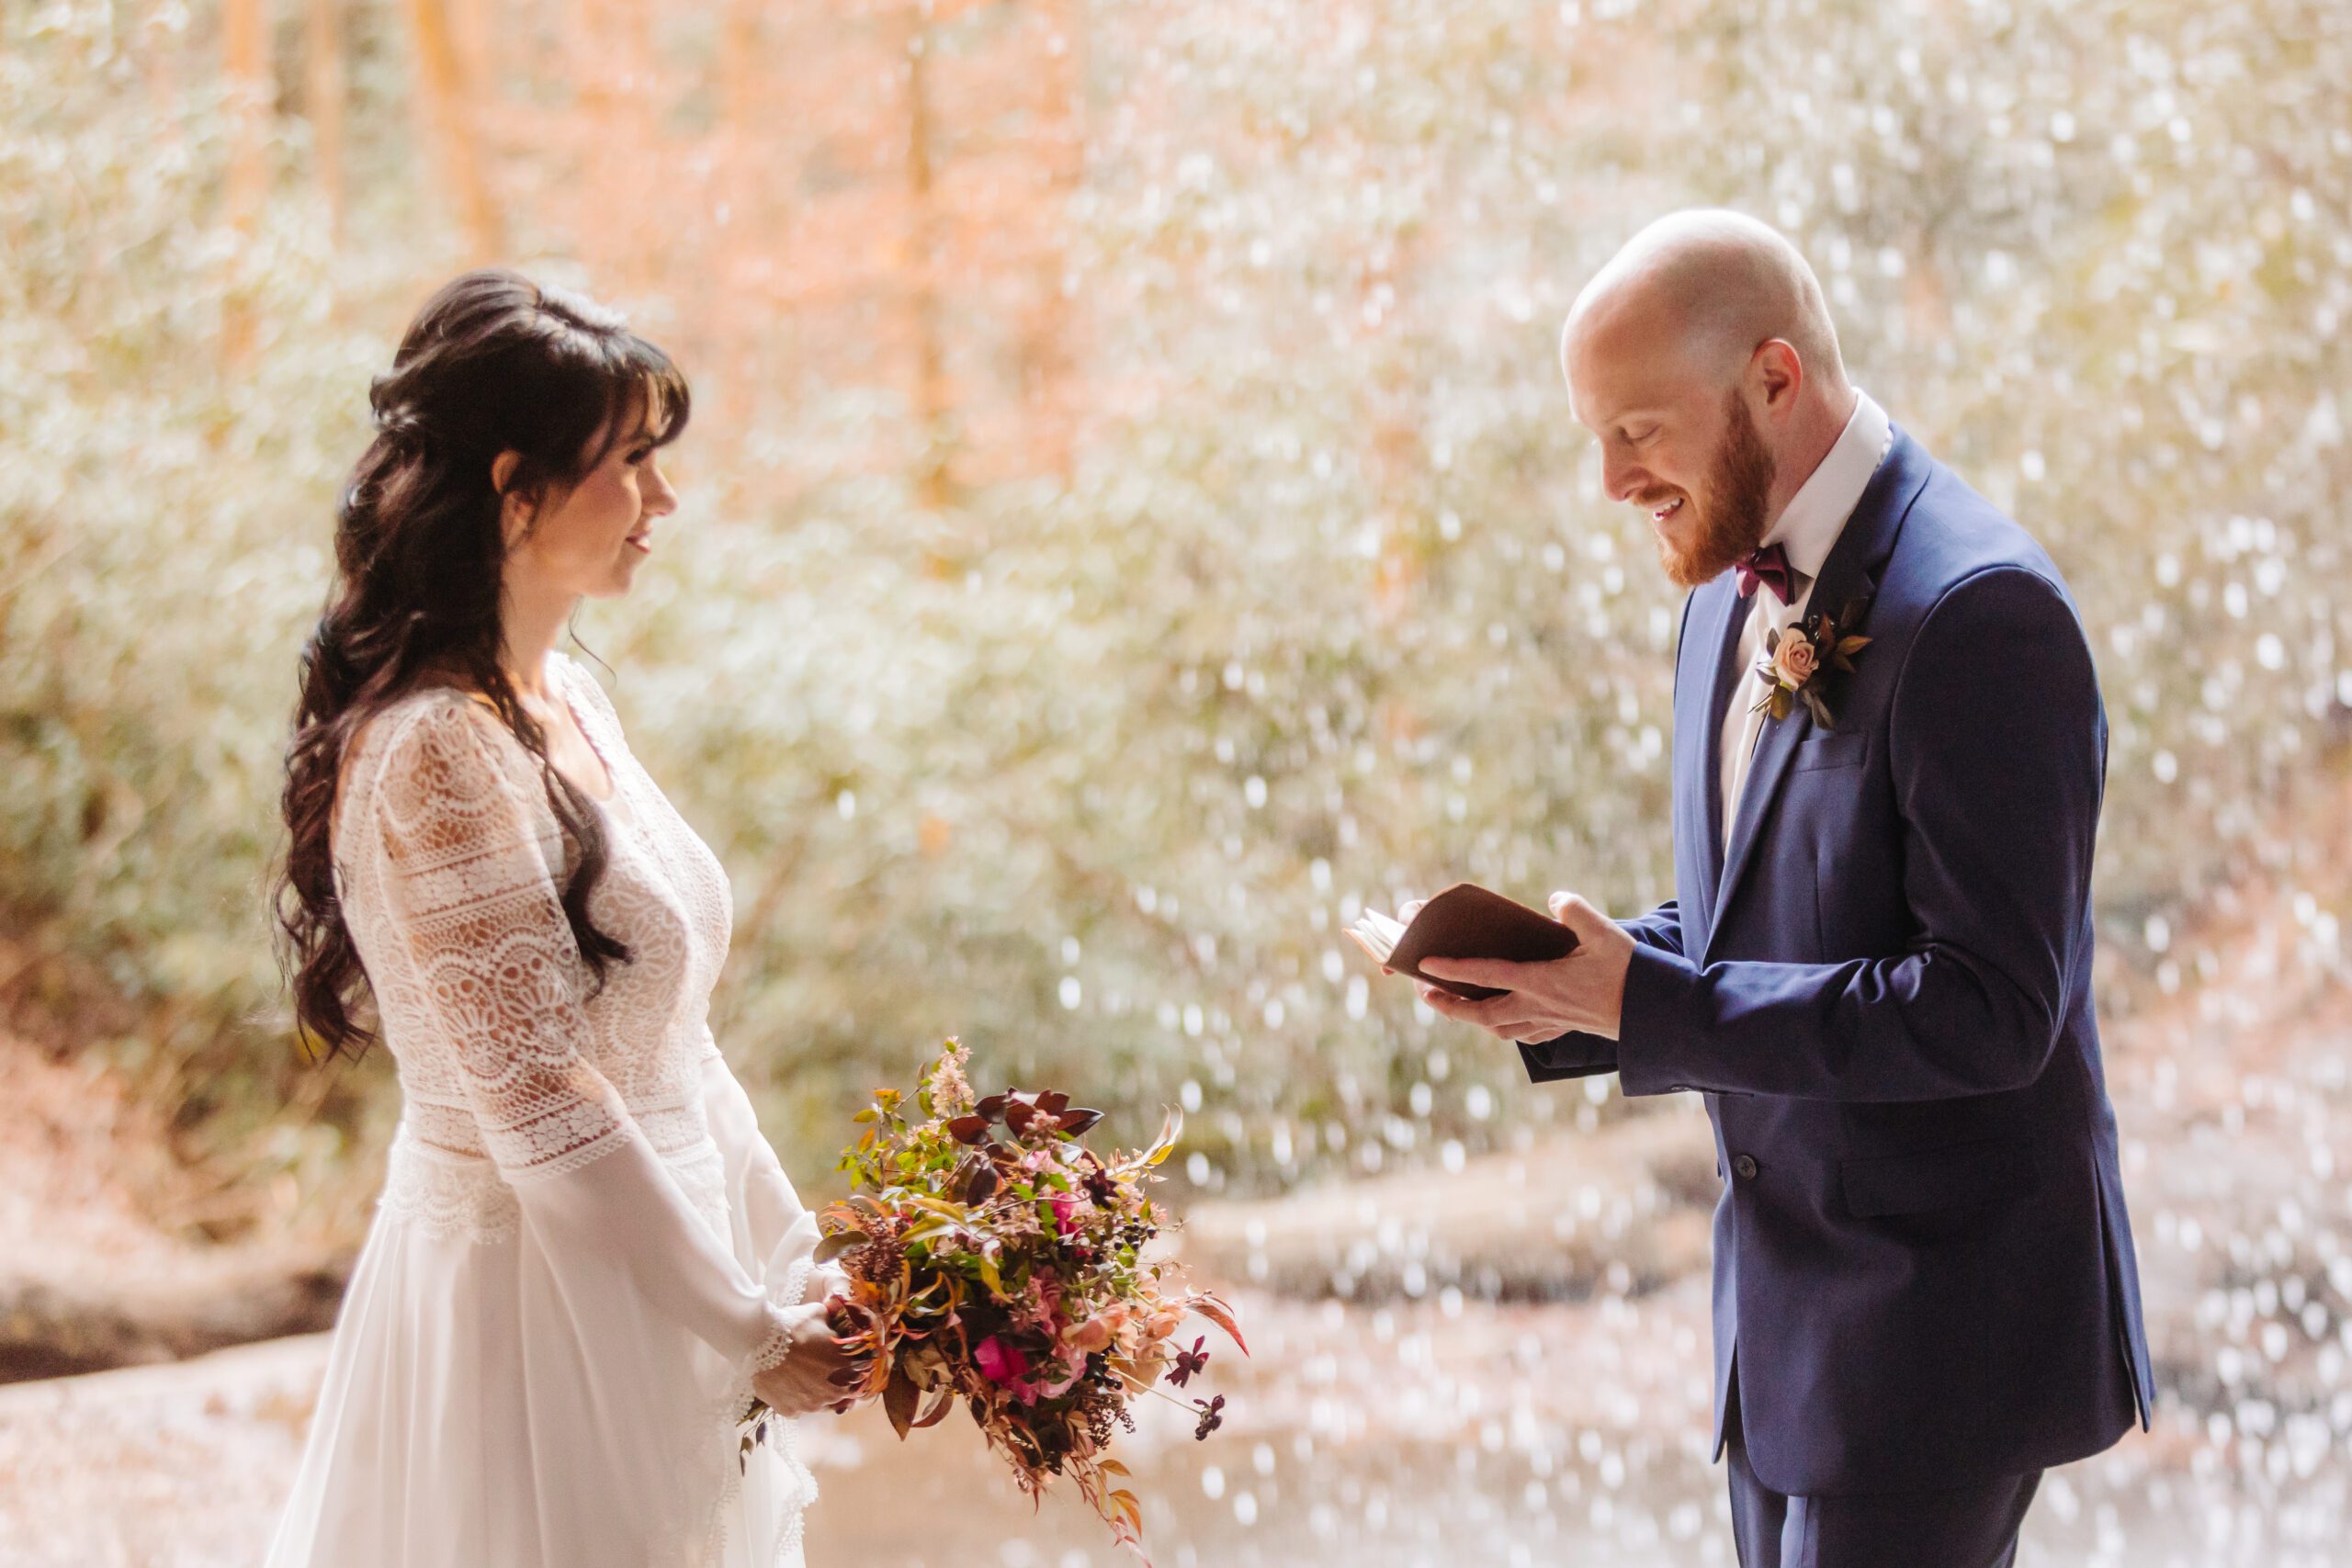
[(589, 541)]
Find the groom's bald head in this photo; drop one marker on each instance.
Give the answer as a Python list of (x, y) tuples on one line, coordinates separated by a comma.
[(1708, 287), (1703, 357)]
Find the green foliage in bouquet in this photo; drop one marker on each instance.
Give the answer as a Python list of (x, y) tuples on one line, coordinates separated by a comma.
[(993, 1257)]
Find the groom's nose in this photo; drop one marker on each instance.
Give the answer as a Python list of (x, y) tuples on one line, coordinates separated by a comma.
[(1621, 477)]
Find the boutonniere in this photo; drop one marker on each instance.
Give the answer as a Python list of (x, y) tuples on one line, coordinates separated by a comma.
[(1795, 660)]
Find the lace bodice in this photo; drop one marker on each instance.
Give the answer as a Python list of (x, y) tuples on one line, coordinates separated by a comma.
[(449, 864)]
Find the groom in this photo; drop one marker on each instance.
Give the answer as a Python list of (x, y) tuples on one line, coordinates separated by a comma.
[(1877, 966)]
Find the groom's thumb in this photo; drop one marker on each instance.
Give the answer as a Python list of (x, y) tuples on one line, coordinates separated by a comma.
[(1575, 914)]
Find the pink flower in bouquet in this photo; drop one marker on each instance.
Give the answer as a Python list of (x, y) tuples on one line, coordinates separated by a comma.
[(1094, 1334), (1073, 1367), (1066, 1214), (998, 1362)]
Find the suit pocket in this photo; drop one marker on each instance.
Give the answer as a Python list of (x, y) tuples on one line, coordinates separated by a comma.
[(1930, 1179), (1832, 752)]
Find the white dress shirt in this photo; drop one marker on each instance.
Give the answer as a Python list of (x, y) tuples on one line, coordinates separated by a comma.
[(1807, 528)]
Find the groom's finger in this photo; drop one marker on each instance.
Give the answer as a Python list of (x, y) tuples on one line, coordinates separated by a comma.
[(1495, 972), (1578, 915), (1441, 1000), (1497, 1013)]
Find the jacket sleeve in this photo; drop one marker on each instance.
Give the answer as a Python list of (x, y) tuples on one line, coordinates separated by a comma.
[(1996, 743), (1577, 1055), (470, 868)]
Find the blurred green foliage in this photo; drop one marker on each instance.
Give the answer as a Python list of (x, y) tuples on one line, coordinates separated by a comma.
[(1092, 772)]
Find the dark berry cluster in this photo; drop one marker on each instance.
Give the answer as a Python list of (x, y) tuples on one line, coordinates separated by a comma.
[(877, 1262)]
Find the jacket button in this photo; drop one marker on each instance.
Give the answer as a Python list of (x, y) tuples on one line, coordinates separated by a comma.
[(1744, 1166)]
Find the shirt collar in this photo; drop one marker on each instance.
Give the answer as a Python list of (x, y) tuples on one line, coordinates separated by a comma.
[(1809, 525)]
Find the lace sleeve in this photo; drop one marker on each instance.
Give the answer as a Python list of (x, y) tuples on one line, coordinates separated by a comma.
[(469, 870), (761, 1195), (472, 878)]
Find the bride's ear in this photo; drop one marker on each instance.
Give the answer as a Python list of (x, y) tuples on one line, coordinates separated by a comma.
[(514, 509)]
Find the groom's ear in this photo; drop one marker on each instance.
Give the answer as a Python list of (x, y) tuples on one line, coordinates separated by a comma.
[(1777, 373)]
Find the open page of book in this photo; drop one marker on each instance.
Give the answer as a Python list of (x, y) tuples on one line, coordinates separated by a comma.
[(1377, 934)]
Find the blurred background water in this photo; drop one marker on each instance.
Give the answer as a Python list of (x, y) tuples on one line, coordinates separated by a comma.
[(1132, 523)]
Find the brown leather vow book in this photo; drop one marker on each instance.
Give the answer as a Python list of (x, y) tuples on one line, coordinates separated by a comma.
[(1463, 921)]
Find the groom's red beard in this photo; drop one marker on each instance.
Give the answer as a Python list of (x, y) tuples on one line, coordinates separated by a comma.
[(1730, 519)]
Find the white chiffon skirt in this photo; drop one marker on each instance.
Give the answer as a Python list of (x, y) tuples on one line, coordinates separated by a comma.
[(490, 1402)]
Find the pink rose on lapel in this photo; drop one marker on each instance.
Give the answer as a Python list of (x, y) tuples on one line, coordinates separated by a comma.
[(1796, 660)]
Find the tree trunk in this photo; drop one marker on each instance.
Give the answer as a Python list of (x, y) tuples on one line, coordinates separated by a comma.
[(1050, 354), (742, 57), (323, 87), (447, 98), (931, 397), (245, 32), (58, 1328)]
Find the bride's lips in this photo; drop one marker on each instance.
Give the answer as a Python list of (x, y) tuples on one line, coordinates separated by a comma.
[(643, 542)]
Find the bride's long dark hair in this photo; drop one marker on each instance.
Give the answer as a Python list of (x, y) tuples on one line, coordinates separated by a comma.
[(493, 363)]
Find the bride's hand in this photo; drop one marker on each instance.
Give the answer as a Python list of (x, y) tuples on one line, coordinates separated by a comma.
[(803, 1383)]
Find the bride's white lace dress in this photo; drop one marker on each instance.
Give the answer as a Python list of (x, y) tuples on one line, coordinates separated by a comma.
[(583, 1238)]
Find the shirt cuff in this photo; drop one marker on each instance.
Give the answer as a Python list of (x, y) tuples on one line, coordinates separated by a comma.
[(1571, 1055)]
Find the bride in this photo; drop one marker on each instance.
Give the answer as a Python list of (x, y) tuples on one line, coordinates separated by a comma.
[(586, 1256)]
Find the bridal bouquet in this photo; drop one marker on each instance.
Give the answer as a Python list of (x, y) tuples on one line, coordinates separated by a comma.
[(996, 1260)]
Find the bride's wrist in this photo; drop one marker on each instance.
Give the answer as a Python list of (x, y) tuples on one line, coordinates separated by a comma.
[(775, 1346)]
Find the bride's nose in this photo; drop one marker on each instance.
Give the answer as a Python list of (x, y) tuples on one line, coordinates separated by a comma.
[(658, 497)]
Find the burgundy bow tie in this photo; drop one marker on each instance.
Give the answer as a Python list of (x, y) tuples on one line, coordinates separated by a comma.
[(1768, 565)]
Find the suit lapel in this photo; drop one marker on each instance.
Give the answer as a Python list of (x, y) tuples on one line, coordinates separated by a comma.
[(1725, 612), (1850, 572)]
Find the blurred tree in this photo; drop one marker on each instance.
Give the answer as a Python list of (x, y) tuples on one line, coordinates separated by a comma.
[(324, 90), (934, 428), (1133, 517), (245, 32), (446, 93)]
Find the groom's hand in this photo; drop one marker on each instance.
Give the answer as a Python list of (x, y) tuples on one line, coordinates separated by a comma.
[(1583, 993), (1404, 914)]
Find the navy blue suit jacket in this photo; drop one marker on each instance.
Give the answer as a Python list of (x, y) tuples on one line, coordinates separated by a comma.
[(1884, 990)]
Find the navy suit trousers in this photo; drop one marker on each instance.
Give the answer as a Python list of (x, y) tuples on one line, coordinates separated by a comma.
[(1961, 1527)]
